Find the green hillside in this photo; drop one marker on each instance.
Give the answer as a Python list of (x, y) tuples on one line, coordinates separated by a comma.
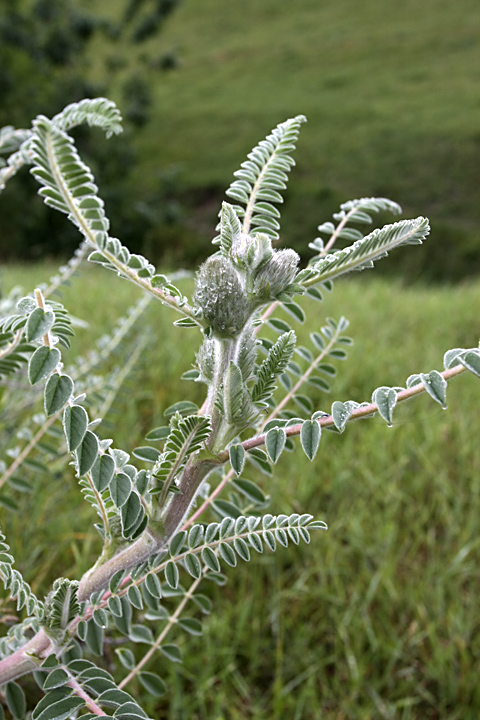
[(390, 91)]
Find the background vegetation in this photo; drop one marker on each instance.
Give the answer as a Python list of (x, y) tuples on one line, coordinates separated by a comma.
[(378, 618), (390, 91)]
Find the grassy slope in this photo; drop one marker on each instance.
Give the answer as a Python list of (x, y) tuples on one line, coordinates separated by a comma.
[(378, 618), (390, 91)]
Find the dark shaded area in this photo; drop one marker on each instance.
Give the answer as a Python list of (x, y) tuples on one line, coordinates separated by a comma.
[(52, 53)]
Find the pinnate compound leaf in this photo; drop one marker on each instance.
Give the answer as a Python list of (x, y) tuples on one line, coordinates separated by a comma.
[(58, 390), (274, 365), (42, 363), (75, 423), (15, 698), (310, 438), (152, 683), (87, 453), (364, 251)]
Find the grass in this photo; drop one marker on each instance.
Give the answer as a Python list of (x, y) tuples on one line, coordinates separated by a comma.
[(378, 617), (390, 93)]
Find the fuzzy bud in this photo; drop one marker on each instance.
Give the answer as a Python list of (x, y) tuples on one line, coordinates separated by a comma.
[(220, 294), (251, 253), (276, 275)]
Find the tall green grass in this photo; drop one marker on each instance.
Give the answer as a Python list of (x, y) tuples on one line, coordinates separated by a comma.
[(378, 617)]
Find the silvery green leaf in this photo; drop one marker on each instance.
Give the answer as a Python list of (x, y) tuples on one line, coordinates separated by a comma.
[(471, 360), (191, 625), (15, 699), (210, 559), (242, 549), (310, 438), (195, 536), (94, 637), (146, 453), (141, 634), (250, 490), (39, 323), (177, 543), (160, 433), (451, 357), (120, 488), (203, 602), (152, 683), (75, 423), (58, 391), (132, 510), (42, 363), (184, 406), (152, 583), (237, 458), (116, 581), (87, 453), (275, 443), (227, 554), (436, 386), (225, 509), (171, 574), (256, 542), (172, 652), (385, 399), (193, 566), (103, 469), (126, 657), (115, 605), (135, 597)]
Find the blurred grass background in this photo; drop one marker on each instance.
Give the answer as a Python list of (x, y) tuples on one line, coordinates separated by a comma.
[(378, 617), (391, 93)]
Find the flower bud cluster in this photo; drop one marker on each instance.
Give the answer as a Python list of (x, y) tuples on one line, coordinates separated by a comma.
[(230, 287)]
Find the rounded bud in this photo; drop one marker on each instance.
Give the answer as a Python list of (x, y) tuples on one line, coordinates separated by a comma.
[(276, 275), (251, 253), (220, 294)]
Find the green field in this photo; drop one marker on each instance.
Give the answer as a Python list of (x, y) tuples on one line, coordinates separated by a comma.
[(378, 617), (390, 91)]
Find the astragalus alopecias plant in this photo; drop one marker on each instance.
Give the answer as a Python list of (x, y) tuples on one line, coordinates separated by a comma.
[(149, 510)]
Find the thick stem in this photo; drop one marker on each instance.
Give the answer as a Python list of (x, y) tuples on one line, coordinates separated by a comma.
[(180, 503)]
